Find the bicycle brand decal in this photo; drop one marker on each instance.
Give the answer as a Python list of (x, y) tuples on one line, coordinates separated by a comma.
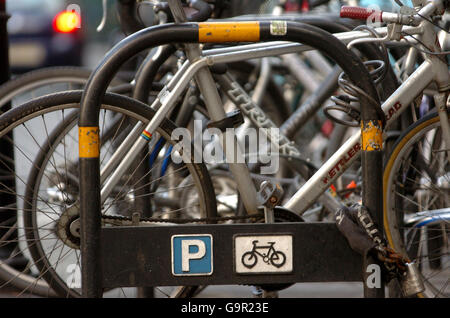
[(341, 164), (393, 110), (146, 135), (240, 98), (278, 28), (260, 254), (88, 142), (228, 32), (192, 255)]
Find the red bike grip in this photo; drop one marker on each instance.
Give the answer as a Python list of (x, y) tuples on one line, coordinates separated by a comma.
[(359, 13)]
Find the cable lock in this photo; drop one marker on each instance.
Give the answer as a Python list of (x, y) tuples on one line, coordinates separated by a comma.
[(349, 103)]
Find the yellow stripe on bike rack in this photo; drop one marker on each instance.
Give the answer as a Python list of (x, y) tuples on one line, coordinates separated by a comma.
[(88, 142), (372, 136), (228, 32)]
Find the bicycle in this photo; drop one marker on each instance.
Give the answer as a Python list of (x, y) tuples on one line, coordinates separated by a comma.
[(363, 35), (271, 256)]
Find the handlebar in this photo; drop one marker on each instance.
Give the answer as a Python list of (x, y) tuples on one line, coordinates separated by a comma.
[(411, 18), (358, 13)]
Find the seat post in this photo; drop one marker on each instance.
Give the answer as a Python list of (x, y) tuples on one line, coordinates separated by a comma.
[(208, 89)]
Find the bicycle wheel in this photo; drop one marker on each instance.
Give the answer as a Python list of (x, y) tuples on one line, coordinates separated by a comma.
[(43, 81), (47, 221), (416, 201), (18, 91), (277, 259), (249, 259)]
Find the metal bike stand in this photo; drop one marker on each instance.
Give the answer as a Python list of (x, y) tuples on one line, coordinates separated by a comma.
[(372, 181), (298, 262), (162, 255)]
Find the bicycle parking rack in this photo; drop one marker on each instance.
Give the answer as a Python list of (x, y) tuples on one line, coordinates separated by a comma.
[(153, 256), (162, 255)]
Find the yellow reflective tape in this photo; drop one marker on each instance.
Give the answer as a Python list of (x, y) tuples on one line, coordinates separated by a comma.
[(88, 142), (372, 136), (228, 32)]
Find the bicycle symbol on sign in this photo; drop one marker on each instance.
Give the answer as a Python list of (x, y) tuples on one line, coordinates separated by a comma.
[(271, 256)]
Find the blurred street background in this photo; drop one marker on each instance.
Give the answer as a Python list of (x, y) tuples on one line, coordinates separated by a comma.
[(40, 35)]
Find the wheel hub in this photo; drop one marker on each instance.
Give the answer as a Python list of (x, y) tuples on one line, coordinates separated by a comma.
[(68, 227)]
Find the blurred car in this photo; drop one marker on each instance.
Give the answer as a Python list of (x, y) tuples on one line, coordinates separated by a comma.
[(43, 33)]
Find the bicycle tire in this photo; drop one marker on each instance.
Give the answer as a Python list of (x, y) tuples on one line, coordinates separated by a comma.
[(44, 76), (247, 262), (409, 174), (275, 259), (46, 104), (20, 85), (36, 78)]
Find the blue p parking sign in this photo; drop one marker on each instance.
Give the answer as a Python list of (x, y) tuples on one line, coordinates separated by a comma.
[(192, 255)]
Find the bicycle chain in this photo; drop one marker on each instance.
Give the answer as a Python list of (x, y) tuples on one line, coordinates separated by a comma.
[(126, 220), (281, 215)]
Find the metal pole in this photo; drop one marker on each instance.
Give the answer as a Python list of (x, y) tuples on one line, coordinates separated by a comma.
[(372, 187)]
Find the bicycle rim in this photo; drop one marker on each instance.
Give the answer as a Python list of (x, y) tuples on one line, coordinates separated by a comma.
[(16, 92), (52, 186), (416, 197)]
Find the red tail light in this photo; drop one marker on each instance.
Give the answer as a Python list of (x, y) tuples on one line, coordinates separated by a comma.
[(66, 21)]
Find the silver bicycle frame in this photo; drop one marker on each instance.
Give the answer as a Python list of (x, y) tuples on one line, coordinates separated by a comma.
[(430, 70)]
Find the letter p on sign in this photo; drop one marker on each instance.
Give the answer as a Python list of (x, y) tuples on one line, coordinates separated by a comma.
[(187, 253), (192, 255)]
